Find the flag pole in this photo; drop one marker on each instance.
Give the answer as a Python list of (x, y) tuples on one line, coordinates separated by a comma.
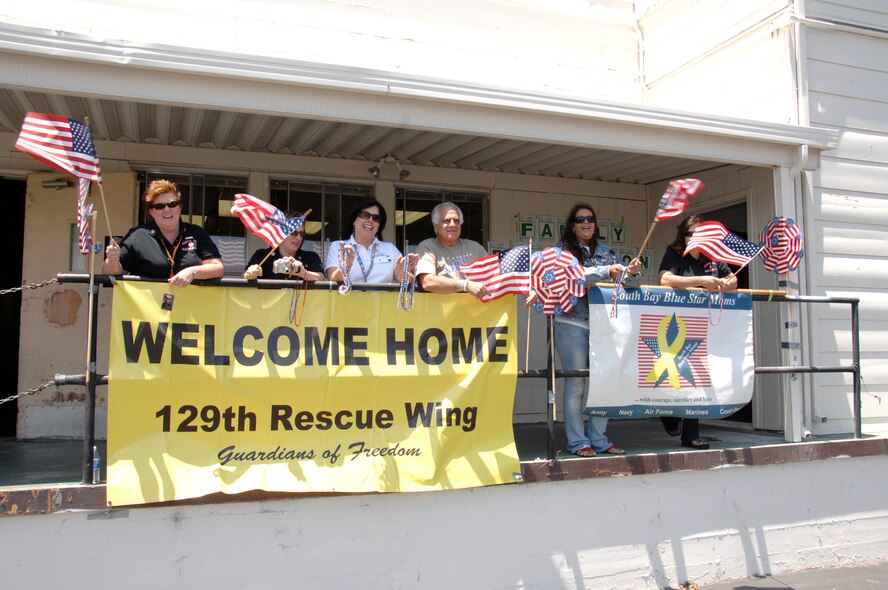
[(527, 340), (646, 239), (90, 400), (105, 211), (101, 191), (270, 252)]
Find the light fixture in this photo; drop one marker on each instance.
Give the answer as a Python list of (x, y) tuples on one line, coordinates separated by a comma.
[(58, 184), (374, 171), (402, 173)]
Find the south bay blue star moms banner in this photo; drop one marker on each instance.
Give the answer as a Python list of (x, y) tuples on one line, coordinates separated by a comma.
[(669, 353)]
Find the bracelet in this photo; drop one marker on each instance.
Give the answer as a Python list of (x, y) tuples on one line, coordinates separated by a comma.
[(193, 273), (462, 285)]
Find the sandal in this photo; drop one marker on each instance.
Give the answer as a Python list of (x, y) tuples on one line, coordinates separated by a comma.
[(696, 444), (585, 452), (614, 450)]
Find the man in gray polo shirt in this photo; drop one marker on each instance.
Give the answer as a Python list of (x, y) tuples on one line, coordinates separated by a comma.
[(440, 257)]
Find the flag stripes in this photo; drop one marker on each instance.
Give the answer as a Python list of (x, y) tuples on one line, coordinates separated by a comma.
[(502, 273), (60, 142), (715, 241), (696, 328), (257, 216)]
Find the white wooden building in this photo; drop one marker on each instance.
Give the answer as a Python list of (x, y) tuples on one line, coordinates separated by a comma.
[(518, 109)]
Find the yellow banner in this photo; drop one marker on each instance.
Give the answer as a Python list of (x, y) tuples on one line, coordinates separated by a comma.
[(224, 394)]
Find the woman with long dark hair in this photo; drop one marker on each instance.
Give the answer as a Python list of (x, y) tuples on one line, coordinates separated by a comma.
[(572, 329), (680, 272), (367, 258)]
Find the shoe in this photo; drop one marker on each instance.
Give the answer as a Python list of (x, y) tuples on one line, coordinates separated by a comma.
[(585, 452), (614, 450), (696, 444), (676, 429)]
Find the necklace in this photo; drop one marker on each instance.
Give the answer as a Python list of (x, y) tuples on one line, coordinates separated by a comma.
[(346, 286), (408, 287), (619, 283), (300, 292)]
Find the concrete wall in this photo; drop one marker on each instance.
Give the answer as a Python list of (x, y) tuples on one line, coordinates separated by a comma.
[(638, 532)]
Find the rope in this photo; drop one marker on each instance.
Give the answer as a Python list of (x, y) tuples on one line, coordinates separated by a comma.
[(26, 392), (29, 286)]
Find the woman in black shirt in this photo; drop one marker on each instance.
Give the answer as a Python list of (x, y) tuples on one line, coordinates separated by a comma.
[(165, 247), (680, 272)]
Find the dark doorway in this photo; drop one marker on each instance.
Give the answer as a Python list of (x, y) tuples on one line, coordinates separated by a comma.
[(12, 237), (734, 218)]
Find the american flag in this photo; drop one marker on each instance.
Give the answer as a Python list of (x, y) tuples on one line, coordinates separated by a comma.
[(288, 226), (502, 273), (261, 218), (675, 199), (60, 142), (715, 241), (83, 213), (784, 245)]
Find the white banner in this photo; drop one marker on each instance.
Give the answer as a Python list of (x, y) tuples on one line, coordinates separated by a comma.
[(669, 353)]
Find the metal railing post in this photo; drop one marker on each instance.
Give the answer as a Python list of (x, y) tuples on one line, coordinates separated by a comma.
[(89, 434), (855, 360)]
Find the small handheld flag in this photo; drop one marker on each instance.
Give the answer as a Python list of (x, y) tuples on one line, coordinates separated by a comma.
[(60, 142), (715, 241), (673, 202), (675, 199), (264, 220), (502, 273)]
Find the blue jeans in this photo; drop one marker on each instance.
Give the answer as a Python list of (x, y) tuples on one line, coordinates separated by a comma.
[(572, 344)]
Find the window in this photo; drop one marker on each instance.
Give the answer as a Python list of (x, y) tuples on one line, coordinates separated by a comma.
[(414, 224)]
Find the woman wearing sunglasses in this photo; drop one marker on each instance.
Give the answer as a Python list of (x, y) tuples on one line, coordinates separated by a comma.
[(680, 272), (302, 263), (572, 329), (367, 259), (165, 246)]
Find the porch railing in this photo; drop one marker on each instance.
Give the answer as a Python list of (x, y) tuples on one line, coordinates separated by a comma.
[(91, 379)]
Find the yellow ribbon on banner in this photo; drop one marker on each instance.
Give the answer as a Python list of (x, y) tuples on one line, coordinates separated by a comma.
[(668, 351), (223, 394)]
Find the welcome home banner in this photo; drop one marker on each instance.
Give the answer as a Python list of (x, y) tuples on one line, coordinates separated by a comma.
[(669, 353), (224, 394)]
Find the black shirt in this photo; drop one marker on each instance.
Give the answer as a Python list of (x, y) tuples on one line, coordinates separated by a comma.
[(688, 266), (143, 251), (309, 260)]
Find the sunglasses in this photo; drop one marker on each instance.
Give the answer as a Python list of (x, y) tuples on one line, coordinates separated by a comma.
[(160, 206), (581, 219), (689, 233), (368, 215)]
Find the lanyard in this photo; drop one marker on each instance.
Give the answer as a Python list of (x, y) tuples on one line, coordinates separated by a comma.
[(171, 257), (372, 252)]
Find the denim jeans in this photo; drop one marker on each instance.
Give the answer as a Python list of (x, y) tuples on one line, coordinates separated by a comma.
[(572, 344)]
